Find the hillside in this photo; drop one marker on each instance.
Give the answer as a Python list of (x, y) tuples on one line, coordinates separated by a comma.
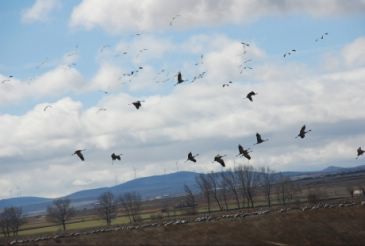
[(149, 188)]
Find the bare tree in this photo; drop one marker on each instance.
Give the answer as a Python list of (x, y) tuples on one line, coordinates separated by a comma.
[(131, 202), (224, 192), (285, 189), (5, 224), (230, 180), (107, 207), (247, 177), (267, 175), (205, 188), (190, 199), (10, 221), (213, 179), (60, 212)]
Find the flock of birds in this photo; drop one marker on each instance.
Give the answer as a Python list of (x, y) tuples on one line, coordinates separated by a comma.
[(245, 65), (242, 152)]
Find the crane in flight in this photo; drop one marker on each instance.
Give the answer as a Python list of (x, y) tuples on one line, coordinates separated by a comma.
[(219, 158), (244, 152), (191, 157), (79, 154), (360, 152), (115, 157), (302, 132), (259, 139), (250, 95)]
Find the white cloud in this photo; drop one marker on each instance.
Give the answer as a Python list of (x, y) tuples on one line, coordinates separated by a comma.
[(350, 56), (122, 15), (58, 81), (354, 53), (201, 117), (106, 78), (40, 10)]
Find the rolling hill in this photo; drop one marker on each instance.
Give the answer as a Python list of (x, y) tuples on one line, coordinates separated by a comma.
[(149, 188)]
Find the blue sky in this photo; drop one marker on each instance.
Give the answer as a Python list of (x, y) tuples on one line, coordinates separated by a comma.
[(319, 85)]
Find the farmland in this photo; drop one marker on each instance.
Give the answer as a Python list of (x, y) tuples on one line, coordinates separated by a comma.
[(336, 225)]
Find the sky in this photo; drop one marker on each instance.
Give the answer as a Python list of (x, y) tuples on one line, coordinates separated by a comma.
[(65, 70)]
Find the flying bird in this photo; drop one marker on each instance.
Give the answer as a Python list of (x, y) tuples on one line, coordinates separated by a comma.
[(244, 152), (191, 157), (105, 92), (302, 132), (46, 107), (137, 104), (104, 47), (245, 68), (200, 61), (7, 79), (173, 19), (116, 157), (121, 53), (101, 109), (289, 52), (259, 139), (227, 84), (42, 63), (199, 76), (250, 95), (322, 36), (179, 79), (245, 44), (79, 154), (218, 158), (360, 152)]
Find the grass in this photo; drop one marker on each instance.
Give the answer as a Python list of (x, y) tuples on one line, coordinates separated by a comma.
[(91, 222)]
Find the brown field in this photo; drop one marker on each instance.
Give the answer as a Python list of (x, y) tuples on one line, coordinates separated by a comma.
[(330, 226), (336, 226)]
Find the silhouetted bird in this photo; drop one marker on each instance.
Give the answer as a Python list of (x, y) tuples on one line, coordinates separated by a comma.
[(79, 154), (116, 157), (359, 152), (179, 79), (191, 157), (137, 104), (250, 95), (218, 158), (289, 52), (302, 132), (259, 139), (244, 152)]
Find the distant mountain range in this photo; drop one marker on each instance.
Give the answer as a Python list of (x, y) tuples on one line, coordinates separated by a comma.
[(152, 187), (148, 187)]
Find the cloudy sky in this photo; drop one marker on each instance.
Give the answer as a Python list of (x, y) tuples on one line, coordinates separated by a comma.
[(73, 58)]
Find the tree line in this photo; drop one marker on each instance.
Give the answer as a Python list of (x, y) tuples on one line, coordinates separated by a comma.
[(61, 211), (106, 207), (242, 185)]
